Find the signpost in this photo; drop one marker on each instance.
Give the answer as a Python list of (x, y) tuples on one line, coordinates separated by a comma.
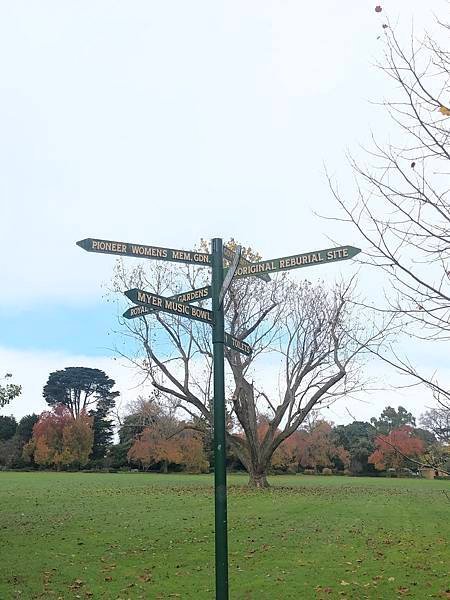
[(155, 302), (185, 297), (179, 305), (236, 344), (142, 251)]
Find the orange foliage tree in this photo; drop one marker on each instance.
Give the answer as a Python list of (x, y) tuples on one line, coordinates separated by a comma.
[(391, 450), (312, 449), (59, 439), (315, 448), (153, 446)]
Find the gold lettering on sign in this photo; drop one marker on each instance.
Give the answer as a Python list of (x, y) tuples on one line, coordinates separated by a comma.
[(177, 307), (148, 251), (201, 258), (200, 313), (181, 255), (339, 253), (138, 310), (193, 295)]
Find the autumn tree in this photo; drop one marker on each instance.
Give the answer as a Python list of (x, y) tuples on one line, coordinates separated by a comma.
[(78, 441), (191, 444), (85, 391), (184, 448), (8, 391), (400, 206), (310, 331), (157, 443), (392, 451), (59, 439), (157, 436), (286, 456), (151, 448), (316, 447)]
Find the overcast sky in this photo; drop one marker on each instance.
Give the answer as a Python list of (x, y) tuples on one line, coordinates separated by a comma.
[(163, 123)]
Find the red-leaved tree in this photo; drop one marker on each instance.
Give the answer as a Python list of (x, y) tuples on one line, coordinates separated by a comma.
[(153, 446), (59, 439), (392, 451)]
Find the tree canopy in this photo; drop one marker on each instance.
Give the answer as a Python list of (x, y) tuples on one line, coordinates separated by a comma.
[(79, 388), (9, 391), (391, 419), (85, 390), (310, 331)]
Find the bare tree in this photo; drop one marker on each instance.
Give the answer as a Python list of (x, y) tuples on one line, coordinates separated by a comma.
[(310, 333), (401, 205), (437, 420)]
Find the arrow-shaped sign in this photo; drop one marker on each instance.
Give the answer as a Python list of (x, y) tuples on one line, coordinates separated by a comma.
[(155, 302), (319, 257), (238, 345), (186, 297), (142, 251), (229, 255), (230, 274)]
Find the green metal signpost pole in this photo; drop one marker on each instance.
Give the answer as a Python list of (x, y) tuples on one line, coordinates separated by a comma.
[(220, 476), (180, 305)]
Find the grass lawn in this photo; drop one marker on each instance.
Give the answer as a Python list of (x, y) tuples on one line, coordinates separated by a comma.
[(130, 536)]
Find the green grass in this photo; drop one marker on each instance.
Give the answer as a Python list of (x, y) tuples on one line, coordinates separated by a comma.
[(130, 536)]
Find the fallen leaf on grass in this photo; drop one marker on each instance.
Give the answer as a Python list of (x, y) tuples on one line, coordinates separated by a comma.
[(76, 584)]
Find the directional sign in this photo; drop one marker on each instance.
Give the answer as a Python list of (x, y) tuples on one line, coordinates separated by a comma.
[(237, 345), (141, 251), (319, 257), (229, 255), (186, 297), (230, 274), (155, 302)]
